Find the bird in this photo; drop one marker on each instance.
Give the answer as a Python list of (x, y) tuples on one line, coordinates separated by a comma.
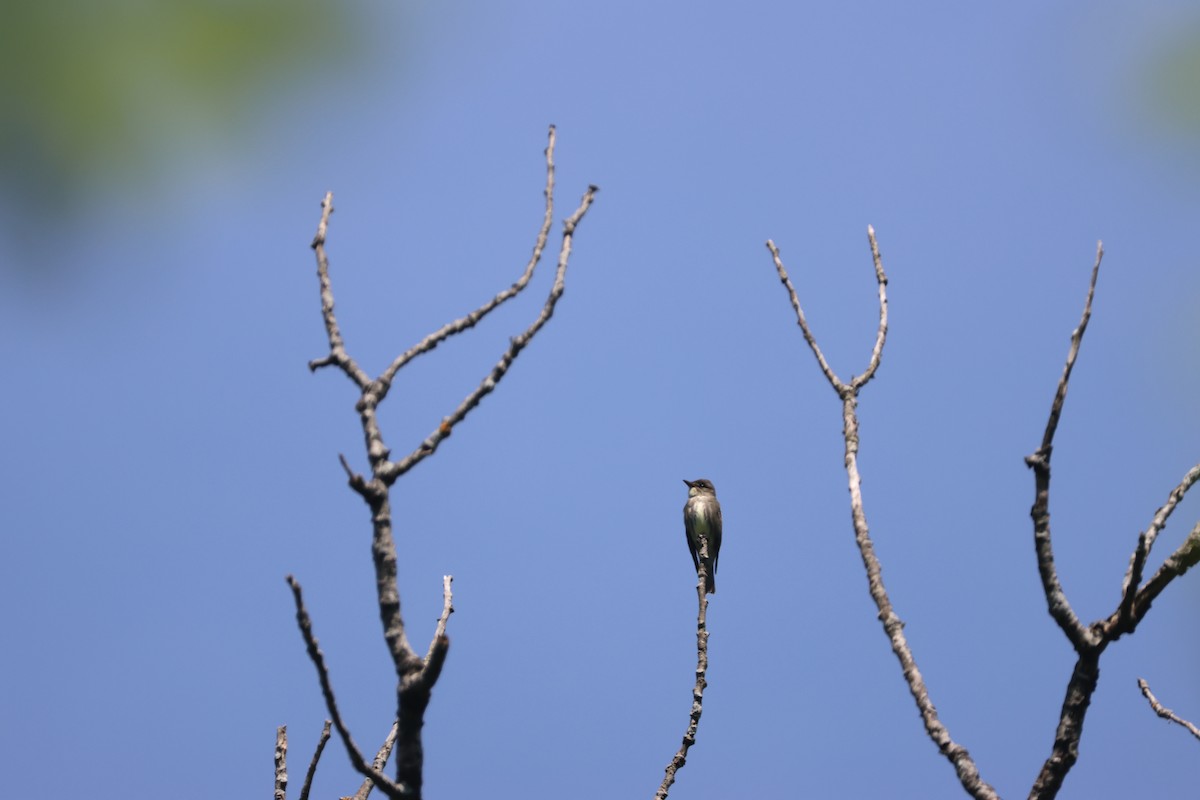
[(702, 520)]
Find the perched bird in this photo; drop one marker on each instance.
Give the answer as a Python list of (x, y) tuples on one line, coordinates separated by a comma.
[(702, 520)]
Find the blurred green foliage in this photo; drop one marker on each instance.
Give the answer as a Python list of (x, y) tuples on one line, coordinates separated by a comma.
[(106, 94), (1174, 80)]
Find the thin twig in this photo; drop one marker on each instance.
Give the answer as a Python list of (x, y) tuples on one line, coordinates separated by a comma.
[(689, 736), (1164, 712), (1056, 597), (312, 765), (318, 659), (281, 776), (964, 765)]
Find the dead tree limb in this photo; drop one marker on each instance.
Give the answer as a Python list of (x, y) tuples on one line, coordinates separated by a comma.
[(416, 675), (893, 626)]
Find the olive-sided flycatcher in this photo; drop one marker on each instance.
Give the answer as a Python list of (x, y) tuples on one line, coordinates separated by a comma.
[(702, 518)]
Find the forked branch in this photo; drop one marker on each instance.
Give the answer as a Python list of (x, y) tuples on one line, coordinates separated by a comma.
[(1091, 641), (415, 675), (964, 765)]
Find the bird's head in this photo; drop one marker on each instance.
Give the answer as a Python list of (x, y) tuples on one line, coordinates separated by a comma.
[(700, 486)]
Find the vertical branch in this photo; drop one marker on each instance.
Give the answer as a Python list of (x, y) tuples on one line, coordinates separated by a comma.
[(1065, 752), (1089, 642), (281, 776), (689, 736), (964, 765), (1056, 598), (1060, 394), (881, 333), (337, 347)]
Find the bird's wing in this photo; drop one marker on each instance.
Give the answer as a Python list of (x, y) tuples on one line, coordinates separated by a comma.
[(691, 538), (714, 541)]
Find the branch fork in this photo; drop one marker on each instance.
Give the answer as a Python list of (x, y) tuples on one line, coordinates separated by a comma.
[(416, 675)]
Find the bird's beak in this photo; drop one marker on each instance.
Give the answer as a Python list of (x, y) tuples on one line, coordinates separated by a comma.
[(689, 483)]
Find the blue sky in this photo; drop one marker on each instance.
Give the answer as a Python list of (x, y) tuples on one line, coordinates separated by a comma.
[(169, 458)]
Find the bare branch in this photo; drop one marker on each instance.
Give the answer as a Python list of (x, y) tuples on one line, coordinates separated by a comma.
[(337, 348), (1056, 598), (435, 658), (893, 626), (881, 335), (689, 736), (964, 765), (1065, 751), (1137, 562), (447, 609), (379, 763), (1179, 562), (390, 472), (318, 659), (312, 765), (1086, 675), (471, 320), (416, 676), (1091, 641), (281, 776), (830, 375), (1060, 395), (1164, 712)]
